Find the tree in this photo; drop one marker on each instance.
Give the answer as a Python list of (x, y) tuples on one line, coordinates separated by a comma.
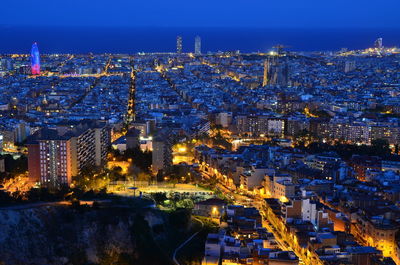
[(159, 197), (116, 174), (381, 147), (185, 203), (140, 159), (146, 246), (180, 218), (15, 166), (5, 198)]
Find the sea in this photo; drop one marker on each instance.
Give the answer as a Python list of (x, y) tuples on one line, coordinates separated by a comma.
[(163, 39)]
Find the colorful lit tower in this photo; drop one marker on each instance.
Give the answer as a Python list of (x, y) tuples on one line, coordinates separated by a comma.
[(35, 59)]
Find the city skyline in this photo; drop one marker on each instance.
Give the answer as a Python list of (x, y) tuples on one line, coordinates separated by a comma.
[(111, 40), (291, 151), (200, 132)]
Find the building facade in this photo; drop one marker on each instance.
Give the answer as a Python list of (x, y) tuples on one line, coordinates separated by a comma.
[(55, 155), (197, 45)]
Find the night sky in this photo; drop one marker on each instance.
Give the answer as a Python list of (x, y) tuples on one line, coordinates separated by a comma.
[(192, 13)]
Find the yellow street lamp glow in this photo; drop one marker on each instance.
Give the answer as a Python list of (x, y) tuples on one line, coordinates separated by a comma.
[(283, 199), (182, 149)]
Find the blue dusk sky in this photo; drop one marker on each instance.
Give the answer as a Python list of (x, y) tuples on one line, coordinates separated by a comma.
[(203, 13)]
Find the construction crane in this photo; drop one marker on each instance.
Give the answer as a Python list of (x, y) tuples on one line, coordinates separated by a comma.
[(279, 48)]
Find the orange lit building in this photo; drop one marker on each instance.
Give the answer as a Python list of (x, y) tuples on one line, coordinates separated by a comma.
[(377, 232), (210, 208)]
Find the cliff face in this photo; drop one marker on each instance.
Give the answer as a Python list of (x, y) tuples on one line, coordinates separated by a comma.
[(62, 235)]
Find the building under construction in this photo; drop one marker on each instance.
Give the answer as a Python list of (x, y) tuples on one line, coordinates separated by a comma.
[(276, 71)]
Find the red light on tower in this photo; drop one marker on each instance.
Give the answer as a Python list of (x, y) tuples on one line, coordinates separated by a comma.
[(35, 59)]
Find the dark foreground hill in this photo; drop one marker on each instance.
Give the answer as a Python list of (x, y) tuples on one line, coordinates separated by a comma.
[(85, 235)]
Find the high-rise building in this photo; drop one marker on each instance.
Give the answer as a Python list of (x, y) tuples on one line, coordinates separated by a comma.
[(132, 138), (162, 151), (35, 59), (55, 155), (89, 143), (179, 44), (21, 132), (197, 45), (49, 159)]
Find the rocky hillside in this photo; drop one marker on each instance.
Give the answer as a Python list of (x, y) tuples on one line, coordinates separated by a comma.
[(83, 235)]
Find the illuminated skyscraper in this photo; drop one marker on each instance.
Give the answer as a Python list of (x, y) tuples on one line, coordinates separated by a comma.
[(179, 44), (197, 45), (35, 59)]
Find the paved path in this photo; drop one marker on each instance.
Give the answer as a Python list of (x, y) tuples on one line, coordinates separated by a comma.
[(184, 243)]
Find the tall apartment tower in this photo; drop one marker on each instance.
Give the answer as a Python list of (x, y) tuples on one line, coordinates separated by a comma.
[(179, 44), (55, 155), (162, 151), (197, 45), (21, 132), (49, 159)]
